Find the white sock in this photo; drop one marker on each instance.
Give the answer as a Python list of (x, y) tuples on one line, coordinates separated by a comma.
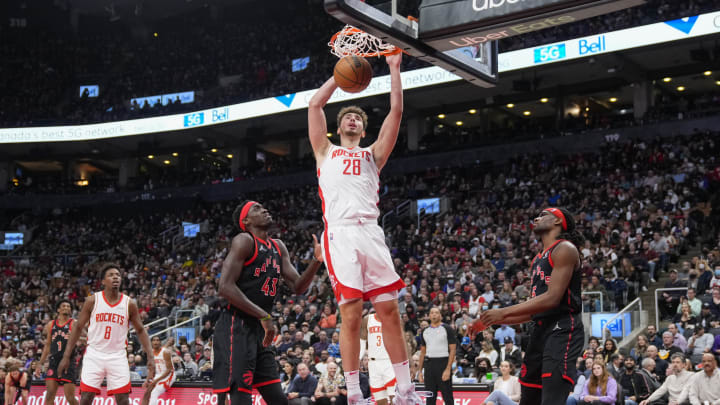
[(402, 374), (352, 381)]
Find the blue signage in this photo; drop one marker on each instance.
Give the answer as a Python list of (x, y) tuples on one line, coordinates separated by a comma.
[(549, 53), (194, 119), (599, 321), (587, 47)]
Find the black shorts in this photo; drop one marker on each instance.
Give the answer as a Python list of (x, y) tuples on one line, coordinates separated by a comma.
[(553, 349), (241, 361), (70, 375)]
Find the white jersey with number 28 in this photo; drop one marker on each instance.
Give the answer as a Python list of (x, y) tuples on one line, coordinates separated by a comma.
[(349, 183)]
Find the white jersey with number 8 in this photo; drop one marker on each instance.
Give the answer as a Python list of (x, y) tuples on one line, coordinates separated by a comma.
[(109, 324)]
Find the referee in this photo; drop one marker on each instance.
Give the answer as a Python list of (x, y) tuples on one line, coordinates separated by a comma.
[(437, 343)]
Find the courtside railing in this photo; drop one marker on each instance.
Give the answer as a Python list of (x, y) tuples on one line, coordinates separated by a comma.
[(633, 309), (657, 307)]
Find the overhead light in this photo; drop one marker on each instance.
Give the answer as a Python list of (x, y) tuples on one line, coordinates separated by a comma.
[(707, 73), (667, 79), (229, 156), (510, 105), (151, 156), (472, 111), (441, 126), (458, 123), (213, 150), (167, 162), (175, 154), (329, 134), (680, 88), (717, 82), (544, 100), (613, 99), (441, 116), (526, 113), (587, 108)]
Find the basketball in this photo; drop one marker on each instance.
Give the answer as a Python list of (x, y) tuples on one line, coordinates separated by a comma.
[(352, 73)]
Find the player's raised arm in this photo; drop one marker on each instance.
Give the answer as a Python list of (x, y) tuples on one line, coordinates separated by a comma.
[(142, 337), (317, 125), (299, 283), (82, 322), (391, 126)]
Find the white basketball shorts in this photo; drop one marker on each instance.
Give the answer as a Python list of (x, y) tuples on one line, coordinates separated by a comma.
[(358, 261), (97, 366)]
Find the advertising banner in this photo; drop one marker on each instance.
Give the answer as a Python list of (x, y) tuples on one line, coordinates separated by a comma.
[(204, 396)]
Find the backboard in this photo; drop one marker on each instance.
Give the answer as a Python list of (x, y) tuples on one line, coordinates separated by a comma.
[(461, 36)]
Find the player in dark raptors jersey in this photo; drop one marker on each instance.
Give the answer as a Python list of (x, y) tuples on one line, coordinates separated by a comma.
[(57, 333), (249, 281), (556, 340)]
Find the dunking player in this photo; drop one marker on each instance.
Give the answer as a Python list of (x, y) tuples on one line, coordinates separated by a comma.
[(164, 372), (249, 280), (17, 384), (57, 333), (109, 313), (556, 340), (382, 377), (358, 261)]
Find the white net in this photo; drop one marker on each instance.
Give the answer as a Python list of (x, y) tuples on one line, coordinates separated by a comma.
[(353, 41)]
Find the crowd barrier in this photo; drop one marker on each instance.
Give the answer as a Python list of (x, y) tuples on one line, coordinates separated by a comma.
[(200, 393)]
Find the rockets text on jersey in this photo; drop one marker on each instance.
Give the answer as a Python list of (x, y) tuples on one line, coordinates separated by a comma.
[(349, 183), (376, 345), (109, 324)]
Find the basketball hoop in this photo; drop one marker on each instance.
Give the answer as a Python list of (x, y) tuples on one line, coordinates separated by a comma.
[(354, 41)]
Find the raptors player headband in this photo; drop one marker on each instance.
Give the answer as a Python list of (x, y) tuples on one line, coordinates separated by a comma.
[(244, 213), (558, 214)]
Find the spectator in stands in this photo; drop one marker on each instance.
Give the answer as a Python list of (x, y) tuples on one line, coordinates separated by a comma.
[(465, 356), (678, 339), (593, 344), (329, 389), (668, 348), (188, 368), (488, 351), (616, 366), (652, 336), (641, 345), (334, 347), (302, 387), (601, 387), (328, 320), (675, 386), (322, 343), (715, 303), (704, 386), (699, 344), (669, 300), (715, 281), (635, 388), (647, 371), (505, 331), (287, 375), (506, 390), (684, 319), (706, 318), (510, 352), (661, 365), (693, 301), (609, 348)]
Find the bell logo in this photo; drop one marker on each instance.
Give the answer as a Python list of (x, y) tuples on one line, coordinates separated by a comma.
[(482, 5)]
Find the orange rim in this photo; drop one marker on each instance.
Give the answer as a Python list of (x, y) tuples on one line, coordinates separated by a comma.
[(353, 30)]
